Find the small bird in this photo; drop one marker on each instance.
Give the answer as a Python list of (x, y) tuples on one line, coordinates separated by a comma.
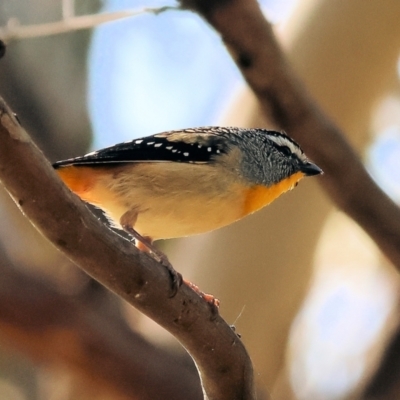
[(186, 182)]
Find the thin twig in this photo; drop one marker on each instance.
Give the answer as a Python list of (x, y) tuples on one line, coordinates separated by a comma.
[(14, 31), (68, 9)]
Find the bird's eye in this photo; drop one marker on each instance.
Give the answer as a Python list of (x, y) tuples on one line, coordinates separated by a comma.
[(285, 150)]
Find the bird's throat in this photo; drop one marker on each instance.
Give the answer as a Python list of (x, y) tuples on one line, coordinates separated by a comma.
[(259, 196)]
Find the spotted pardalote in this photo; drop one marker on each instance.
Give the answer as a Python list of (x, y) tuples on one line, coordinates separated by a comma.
[(186, 182)]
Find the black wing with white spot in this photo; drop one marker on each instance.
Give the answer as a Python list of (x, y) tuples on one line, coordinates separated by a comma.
[(197, 145)]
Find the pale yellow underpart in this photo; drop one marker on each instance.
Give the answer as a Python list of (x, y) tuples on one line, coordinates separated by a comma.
[(195, 201)]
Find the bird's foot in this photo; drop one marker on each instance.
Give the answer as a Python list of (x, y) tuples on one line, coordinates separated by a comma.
[(209, 298)]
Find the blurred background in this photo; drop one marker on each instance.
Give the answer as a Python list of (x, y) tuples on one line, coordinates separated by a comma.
[(314, 300)]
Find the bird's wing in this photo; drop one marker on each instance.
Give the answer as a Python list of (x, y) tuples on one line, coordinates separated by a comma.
[(198, 145)]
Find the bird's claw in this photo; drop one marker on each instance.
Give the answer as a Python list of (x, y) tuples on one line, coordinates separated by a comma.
[(209, 298), (176, 277)]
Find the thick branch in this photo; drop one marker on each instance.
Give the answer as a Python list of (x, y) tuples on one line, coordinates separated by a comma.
[(54, 329), (251, 42), (222, 360)]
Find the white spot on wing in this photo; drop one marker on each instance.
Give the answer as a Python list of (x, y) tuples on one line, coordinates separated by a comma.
[(158, 145), (186, 154), (138, 141)]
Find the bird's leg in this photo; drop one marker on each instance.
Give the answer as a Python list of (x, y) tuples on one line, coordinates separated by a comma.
[(145, 244)]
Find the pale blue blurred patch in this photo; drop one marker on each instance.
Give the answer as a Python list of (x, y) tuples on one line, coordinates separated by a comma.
[(277, 10), (154, 73), (337, 330), (384, 161)]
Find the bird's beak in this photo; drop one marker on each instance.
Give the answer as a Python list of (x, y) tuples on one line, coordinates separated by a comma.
[(310, 169)]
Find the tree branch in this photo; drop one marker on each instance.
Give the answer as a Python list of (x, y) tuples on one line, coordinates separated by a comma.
[(250, 40), (223, 363), (54, 329), (14, 31)]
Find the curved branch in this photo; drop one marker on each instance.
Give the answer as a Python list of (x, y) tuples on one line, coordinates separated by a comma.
[(251, 42), (224, 366), (100, 346)]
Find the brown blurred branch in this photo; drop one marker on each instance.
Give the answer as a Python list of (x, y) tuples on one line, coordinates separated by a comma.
[(251, 42), (224, 366), (54, 329)]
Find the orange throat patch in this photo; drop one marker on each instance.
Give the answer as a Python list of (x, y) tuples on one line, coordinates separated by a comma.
[(259, 196)]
